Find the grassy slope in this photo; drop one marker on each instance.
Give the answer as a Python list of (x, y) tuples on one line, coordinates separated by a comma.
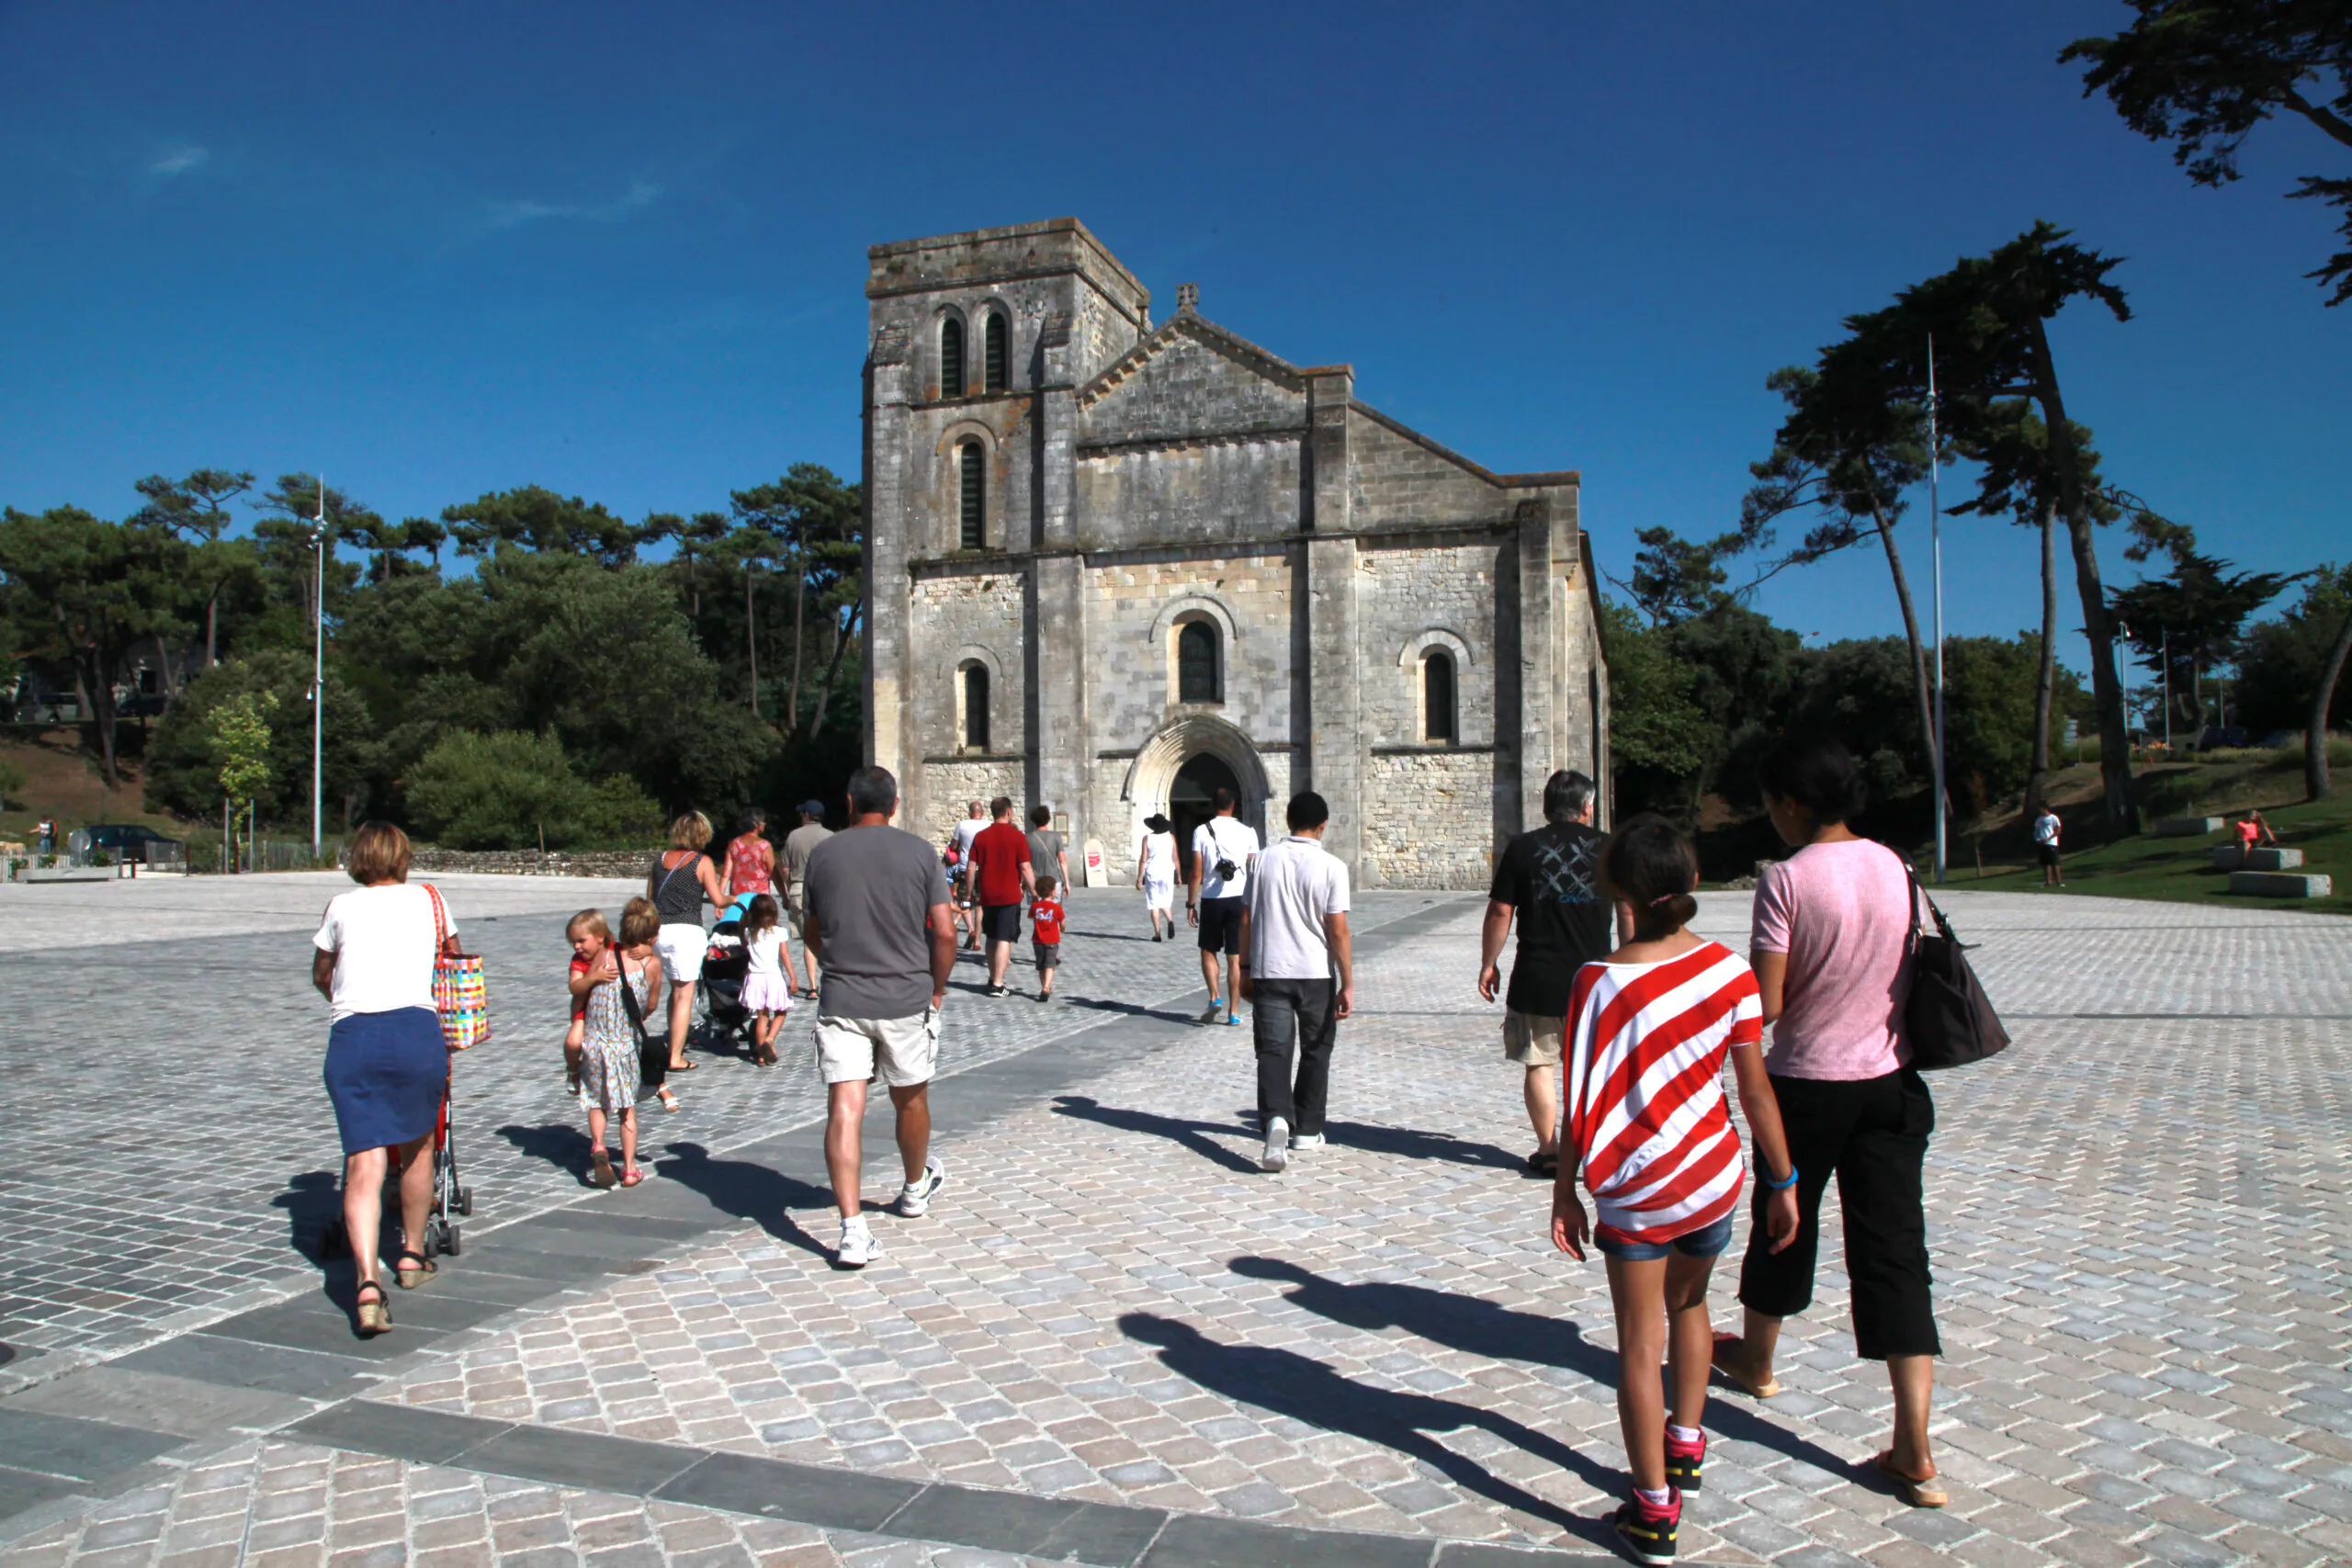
[(62, 780), (2179, 869)]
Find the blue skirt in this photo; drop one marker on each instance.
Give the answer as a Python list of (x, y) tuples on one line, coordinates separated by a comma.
[(385, 1072)]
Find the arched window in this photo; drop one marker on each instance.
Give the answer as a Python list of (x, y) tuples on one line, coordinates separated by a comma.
[(1198, 679), (1437, 697), (951, 358), (975, 707), (972, 482), (994, 353)]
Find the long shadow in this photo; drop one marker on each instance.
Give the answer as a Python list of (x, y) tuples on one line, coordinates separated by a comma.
[(1306, 1390), (1500, 1334), (1411, 1143), (1188, 1133), (562, 1145), (1132, 1010), (748, 1191)]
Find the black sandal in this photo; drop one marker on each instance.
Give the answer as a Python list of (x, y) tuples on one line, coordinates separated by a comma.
[(411, 1279), (375, 1316)]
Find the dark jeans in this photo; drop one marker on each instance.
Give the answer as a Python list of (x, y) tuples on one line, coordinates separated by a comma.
[(1871, 1133), (1283, 1011)]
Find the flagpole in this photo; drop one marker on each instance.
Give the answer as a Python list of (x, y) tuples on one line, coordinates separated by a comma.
[(319, 668), (1936, 525)]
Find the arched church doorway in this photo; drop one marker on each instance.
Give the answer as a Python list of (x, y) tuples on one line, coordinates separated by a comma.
[(1191, 800)]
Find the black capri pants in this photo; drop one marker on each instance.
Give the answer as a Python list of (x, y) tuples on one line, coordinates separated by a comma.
[(1872, 1134)]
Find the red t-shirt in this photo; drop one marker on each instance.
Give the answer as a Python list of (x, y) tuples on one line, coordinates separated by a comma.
[(998, 854), (1045, 917), (580, 1002)]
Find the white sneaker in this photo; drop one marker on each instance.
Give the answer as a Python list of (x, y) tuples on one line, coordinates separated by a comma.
[(1277, 1154), (1308, 1141), (914, 1198), (858, 1247)]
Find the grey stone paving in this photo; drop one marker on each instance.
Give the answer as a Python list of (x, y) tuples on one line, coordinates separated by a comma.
[(2138, 1221), (175, 1140)]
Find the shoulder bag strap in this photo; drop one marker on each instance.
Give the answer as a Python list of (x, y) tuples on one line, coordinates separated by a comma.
[(442, 941), (628, 994)]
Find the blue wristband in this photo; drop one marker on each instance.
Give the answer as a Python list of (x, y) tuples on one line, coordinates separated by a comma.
[(1784, 1186)]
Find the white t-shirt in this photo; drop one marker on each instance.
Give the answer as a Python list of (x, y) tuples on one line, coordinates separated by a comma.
[(1293, 885), (965, 831), (1223, 838), (766, 952), (2045, 827), (383, 940)]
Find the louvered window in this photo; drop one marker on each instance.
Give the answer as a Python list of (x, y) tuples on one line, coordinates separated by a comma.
[(951, 358), (994, 352), (973, 480)]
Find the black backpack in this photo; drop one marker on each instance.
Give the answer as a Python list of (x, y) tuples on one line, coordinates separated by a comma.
[(1949, 1021)]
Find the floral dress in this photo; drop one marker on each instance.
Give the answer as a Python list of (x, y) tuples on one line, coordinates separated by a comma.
[(608, 1054)]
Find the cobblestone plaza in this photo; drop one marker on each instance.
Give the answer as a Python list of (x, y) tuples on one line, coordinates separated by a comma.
[(1114, 1340)]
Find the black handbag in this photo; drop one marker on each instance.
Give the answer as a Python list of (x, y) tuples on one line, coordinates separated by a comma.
[(652, 1050), (1949, 1021)]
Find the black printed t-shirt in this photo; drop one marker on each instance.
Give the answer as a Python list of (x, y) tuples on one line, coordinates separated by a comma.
[(1551, 877)]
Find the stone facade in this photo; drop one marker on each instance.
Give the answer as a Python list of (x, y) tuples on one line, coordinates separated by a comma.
[(1058, 490)]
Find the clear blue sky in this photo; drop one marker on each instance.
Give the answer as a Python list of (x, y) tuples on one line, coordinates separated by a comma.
[(617, 249)]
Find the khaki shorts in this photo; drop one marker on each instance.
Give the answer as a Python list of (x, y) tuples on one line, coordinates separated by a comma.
[(901, 1052), (1534, 1039)]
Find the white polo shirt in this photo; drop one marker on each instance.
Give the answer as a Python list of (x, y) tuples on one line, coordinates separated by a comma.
[(1293, 885)]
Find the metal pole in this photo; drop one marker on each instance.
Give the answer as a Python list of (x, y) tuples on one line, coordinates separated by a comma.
[(319, 668), (1936, 525), (2163, 656)]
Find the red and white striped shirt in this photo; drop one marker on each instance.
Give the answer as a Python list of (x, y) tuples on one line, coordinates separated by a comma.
[(1644, 1086)]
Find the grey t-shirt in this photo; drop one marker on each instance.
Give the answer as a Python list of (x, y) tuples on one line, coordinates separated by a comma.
[(798, 845), (871, 891), (1046, 851)]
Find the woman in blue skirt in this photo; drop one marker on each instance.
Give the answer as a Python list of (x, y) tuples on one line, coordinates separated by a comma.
[(386, 1064)]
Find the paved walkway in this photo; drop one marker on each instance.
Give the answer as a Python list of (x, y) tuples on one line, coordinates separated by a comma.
[(1116, 1342)]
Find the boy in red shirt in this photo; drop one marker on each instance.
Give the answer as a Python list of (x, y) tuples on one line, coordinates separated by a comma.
[(1046, 927)]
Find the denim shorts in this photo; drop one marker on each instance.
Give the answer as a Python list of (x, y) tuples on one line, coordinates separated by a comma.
[(1707, 1243)]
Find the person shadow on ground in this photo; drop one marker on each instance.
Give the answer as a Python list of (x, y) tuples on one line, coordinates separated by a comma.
[(748, 1191), (1189, 1134), (1479, 1327), (561, 1144), (1411, 1143), (1299, 1387), (313, 1201)]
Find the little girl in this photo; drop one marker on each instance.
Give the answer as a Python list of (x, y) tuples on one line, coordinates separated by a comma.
[(766, 992), (609, 1046), (1648, 1029), (640, 924)]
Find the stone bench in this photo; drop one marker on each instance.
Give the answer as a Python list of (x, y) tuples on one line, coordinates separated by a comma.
[(68, 873), (2282, 884), (2186, 827), (2233, 857)]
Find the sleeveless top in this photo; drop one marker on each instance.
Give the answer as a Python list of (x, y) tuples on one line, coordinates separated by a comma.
[(748, 865), (677, 893)]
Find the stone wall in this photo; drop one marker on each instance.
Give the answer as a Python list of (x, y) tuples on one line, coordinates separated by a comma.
[(1409, 594), (1133, 668), (527, 862), (1431, 821), (953, 786), (968, 614)]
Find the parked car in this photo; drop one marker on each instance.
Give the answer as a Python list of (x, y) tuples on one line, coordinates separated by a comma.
[(127, 840)]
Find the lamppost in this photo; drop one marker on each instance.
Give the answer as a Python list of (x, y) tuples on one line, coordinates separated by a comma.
[(1936, 526), (318, 666)]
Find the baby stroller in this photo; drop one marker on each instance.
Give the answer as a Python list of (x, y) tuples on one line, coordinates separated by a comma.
[(449, 1198), (725, 964)]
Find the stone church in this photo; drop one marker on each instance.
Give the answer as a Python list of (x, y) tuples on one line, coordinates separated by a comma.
[(1112, 566)]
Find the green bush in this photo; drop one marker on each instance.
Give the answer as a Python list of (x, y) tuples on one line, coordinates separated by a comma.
[(505, 790), (12, 781), (2172, 795)]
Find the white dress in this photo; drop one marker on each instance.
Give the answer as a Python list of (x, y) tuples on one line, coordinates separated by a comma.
[(1159, 872), (764, 987)]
